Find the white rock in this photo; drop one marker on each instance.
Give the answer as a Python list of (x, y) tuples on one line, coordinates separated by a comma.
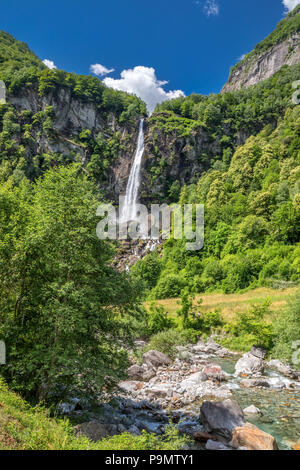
[(249, 365), (251, 410)]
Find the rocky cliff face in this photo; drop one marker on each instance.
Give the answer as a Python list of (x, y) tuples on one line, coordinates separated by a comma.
[(70, 117), (171, 158), (258, 68)]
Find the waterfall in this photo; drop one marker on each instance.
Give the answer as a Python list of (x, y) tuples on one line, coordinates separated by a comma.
[(129, 208)]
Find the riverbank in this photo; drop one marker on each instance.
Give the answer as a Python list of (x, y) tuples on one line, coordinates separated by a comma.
[(162, 391)]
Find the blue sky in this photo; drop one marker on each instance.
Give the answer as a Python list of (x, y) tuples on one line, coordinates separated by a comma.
[(190, 43)]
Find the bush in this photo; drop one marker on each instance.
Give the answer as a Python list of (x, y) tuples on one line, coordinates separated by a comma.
[(169, 286), (158, 320), (250, 328), (147, 270), (287, 329), (167, 341)]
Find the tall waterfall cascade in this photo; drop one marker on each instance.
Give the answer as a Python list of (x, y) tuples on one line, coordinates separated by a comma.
[(129, 210)]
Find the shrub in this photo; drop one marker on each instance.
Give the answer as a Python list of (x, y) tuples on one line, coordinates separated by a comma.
[(166, 341), (158, 319), (169, 285), (287, 329), (250, 328)]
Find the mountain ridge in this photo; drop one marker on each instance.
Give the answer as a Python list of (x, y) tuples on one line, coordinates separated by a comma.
[(280, 48)]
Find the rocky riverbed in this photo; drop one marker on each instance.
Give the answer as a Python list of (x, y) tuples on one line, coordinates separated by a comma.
[(220, 399)]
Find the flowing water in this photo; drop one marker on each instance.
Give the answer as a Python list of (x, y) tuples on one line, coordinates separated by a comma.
[(129, 210), (280, 407)]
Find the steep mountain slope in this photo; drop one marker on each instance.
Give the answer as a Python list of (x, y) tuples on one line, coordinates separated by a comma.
[(53, 117), (280, 48), (188, 136), (252, 221), (15, 55)]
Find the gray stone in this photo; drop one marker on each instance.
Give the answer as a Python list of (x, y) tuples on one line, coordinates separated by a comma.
[(214, 445), (143, 373), (221, 417), (94, 430), (249, 365), (284, 369), (258, 352), (156, 358), (134, 430), (249, 383), (251, 410), (130, 386)]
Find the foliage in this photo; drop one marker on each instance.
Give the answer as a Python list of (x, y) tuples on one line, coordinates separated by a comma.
[(158, 319), (286, 330), (167, 341), (65, 313), (148, 271), (252, 220), (27, 428), (169, 285), (250, 328), (170, 440)]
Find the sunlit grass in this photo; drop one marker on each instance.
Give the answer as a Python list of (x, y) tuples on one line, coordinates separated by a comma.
[(231, 304)]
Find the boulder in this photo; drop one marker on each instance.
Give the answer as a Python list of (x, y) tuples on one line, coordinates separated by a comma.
[(249, 365), (160, 391), (258, 352), (251, 410), (214, 372), (148, 374), (130, 386), (193, 380), (201, 436), (156, 358), (284, 369), (212, 346), (253, 438), (249, 383), (142, 373), (94, 430), (221, 418), (213, 445), (134, 430)]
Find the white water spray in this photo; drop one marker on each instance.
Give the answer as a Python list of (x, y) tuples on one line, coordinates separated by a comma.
[(129, 210)]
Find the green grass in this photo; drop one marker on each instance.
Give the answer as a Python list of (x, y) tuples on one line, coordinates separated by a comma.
[(23, 427)]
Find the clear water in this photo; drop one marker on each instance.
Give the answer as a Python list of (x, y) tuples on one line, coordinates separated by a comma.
[(280, 408)]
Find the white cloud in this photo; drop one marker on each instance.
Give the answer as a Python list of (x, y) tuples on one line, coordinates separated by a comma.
[(50, 64), (211, 8), (242, 57), (99, 69), (290, 4), (142, 82)]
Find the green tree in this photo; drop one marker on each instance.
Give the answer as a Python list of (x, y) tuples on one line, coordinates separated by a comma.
[(64, 312), (286, 328)]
